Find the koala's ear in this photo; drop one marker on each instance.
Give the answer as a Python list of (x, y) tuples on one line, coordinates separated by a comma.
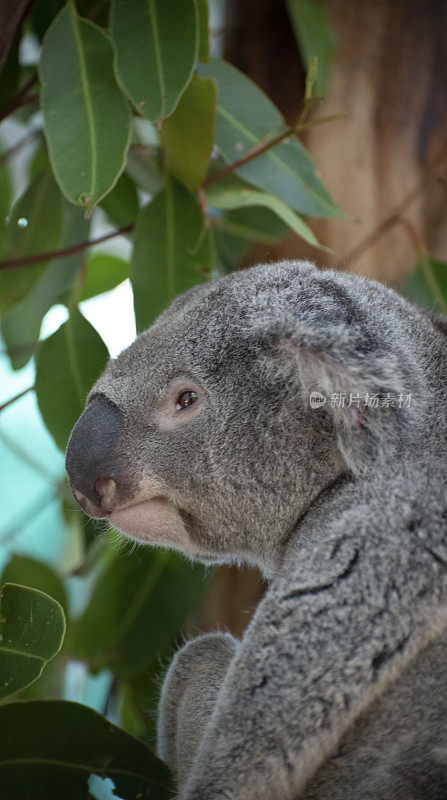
[(372, 393)]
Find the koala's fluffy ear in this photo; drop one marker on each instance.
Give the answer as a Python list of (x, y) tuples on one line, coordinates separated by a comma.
[(370, 392)]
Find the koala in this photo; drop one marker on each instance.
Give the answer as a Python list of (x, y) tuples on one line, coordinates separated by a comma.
[(294, 419)]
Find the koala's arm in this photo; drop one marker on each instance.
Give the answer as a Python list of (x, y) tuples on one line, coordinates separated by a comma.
[(322, 645), (188, 696)]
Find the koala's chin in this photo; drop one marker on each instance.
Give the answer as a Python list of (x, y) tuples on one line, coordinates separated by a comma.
[(154, 521)]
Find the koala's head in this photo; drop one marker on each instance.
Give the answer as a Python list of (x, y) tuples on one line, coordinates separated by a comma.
[(201, 435)]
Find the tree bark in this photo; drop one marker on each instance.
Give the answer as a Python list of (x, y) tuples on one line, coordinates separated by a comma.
[(389, 76)]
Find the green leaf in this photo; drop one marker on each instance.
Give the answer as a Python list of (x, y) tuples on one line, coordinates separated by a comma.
[(204, 39), (245, 115), (253, 224), (153, 593), (315, 38), (121, 204), (145, 172), (34, 227), (188, 135), (228, 193), (68, 363), (86, 118), (104, 272), (21, 323), (36, 575), (427, 285), (32, 629), (5, 195), (156, 44), (49, 749), (171, 251)]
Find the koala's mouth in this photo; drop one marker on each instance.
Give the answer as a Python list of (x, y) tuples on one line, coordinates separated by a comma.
[(154, 519)]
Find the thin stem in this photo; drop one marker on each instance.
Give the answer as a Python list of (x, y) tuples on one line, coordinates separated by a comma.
[(17, 397), (30, 514), (20, 99), (267, 143), (429, 172), (258, 149), (66, 251)]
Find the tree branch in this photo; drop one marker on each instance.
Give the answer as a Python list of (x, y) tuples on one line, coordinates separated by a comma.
[(17, 397), (428, 174), (36, 258), (20, 99), (258, 149)]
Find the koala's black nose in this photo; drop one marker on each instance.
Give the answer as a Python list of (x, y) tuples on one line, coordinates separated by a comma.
[(90, 453)]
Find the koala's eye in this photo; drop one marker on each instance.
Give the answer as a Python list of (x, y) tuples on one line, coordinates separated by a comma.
[(185, 400)]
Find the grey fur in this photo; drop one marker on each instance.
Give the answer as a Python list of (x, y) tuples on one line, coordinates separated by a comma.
[(339, 687)]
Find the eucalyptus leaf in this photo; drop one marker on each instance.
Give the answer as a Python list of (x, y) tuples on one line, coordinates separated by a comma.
[(86, 117), (32, 629), (121, 204), (204, 39), (244, 117), (427, 285), (21, 323), (253, 224), (36, 575), (156, 43), (50, 748), (146, 172), (188, 135), (103, 272), (153, 593), (34, 227), (68, 363), (228, 193), (315, 37), (171, 251)]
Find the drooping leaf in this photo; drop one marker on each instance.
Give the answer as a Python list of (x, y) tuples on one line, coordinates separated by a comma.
[(27, 571), (146, 172), (121, 204), (153, 593), (68, 363), (156, 44), (244, 117), (21, 323), (204, 39), (315, 37), (34, 227), (188, 135), (86, 117), (171, 251), (103, 272), (427, 285), (49, 749), (32, 629), (253, 224), (228, 193)]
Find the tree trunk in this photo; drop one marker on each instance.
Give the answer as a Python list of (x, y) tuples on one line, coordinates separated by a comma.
[(389, 77)]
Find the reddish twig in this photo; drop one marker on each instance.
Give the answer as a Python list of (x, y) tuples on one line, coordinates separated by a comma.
[(17, 397), (258, 149), (20, 99), (36, 258)]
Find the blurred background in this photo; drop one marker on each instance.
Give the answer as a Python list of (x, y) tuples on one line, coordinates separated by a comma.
[(382, 155)]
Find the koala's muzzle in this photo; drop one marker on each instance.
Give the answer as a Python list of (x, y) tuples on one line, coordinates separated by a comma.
[(91, 456)]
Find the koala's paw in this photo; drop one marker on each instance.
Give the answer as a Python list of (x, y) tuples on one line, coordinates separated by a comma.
[(188, 695)]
